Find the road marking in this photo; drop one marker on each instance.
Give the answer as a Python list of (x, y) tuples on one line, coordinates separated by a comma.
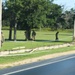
[(38, 66)]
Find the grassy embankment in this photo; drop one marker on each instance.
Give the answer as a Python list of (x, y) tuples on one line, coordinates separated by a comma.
[(43, 38)]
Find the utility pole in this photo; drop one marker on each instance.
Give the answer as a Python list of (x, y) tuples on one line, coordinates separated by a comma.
[(0, 20)]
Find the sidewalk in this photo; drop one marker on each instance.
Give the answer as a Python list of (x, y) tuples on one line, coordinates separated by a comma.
[(18, 51)]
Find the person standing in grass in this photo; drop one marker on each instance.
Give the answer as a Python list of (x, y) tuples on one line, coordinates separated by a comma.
[(56, 35), (33, 35), (2, 38)]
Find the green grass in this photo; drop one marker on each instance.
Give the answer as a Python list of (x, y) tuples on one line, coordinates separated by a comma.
[(10, 59), (43, 38)]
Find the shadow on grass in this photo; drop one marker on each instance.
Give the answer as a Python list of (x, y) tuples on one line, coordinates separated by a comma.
[(53, 41), (22, 40), (16, 40)]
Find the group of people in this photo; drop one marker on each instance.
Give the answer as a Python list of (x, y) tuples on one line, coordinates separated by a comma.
[(34, 34), (56, 35)]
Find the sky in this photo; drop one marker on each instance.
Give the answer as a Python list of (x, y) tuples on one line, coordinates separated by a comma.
[(68, 4)]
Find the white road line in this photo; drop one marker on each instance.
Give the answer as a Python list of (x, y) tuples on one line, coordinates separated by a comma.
[(38, 66)]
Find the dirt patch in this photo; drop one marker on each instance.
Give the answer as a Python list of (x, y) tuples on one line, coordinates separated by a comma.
[(26, 61)]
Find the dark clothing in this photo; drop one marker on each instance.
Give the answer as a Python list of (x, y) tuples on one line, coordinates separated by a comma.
[(33, 35), (56, 36)]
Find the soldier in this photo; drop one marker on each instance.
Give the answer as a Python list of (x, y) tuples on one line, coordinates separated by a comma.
[(2, 38), (33, 35)]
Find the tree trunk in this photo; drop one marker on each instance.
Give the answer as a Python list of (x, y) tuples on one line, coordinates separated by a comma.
[(15, 27), (28, 33), (10, 31)]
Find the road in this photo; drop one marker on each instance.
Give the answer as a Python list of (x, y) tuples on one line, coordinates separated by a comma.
[(57, 66)]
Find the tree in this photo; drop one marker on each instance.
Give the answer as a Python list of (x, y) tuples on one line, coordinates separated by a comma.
[(54, 16), (28, 13), (34, 14), (68, 16), (7, 18), (13, 6)]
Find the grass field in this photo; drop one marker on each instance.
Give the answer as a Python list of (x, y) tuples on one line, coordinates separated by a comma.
[(43, 38)]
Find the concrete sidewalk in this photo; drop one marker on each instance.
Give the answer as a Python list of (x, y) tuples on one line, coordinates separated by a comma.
[(12, 52)]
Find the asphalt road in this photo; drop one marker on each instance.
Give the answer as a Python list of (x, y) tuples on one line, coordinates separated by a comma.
[(58, 66)]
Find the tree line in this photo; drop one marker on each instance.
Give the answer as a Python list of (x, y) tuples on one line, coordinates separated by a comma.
[(29, 14)]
